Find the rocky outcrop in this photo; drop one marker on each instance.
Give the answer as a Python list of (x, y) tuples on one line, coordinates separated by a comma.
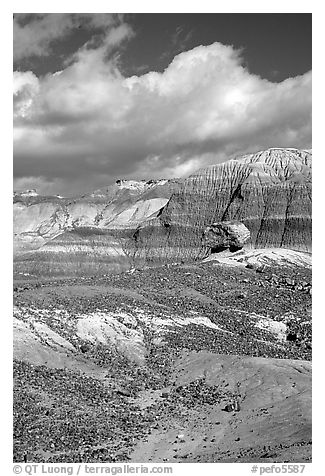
[(223, 235), (263, 258), (269, 192), (26, 193)]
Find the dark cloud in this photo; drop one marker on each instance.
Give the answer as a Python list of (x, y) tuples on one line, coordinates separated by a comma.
[(34, 34)]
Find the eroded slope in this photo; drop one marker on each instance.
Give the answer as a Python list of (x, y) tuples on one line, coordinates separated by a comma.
[(270, 192)]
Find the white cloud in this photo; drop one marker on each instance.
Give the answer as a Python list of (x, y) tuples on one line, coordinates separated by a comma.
[(91, 122), (26, 86)]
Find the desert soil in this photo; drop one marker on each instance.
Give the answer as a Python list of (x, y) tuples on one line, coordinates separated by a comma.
[(140, 366)]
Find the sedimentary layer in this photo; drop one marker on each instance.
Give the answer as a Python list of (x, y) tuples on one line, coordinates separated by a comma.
[(269, 192), (55, 235), (135, 223)]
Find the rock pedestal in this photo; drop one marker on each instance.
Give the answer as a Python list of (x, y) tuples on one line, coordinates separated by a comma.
[(223, 235)]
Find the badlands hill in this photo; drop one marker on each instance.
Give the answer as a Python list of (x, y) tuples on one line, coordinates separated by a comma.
[(82, 234), (270, 192), (131, 224), (39, 219)]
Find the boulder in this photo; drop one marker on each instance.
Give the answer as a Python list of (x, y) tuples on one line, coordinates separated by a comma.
[(225, 234), (230, 407)]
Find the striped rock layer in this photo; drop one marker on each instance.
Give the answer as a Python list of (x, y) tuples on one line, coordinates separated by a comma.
[(137, 223), (269, 192), (83, 235)]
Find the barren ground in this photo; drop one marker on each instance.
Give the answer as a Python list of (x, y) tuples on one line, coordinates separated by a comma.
[(140, 366)]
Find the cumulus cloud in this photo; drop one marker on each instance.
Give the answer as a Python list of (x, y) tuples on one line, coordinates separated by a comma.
[(87, 125)]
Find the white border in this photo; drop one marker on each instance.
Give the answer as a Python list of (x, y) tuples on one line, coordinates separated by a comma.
[(167, 6)]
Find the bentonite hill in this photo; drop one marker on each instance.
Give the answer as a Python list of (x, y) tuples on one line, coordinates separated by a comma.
[(131, 224), (167, 321)]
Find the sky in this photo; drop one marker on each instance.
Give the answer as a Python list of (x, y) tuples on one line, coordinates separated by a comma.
[(100, 97)]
